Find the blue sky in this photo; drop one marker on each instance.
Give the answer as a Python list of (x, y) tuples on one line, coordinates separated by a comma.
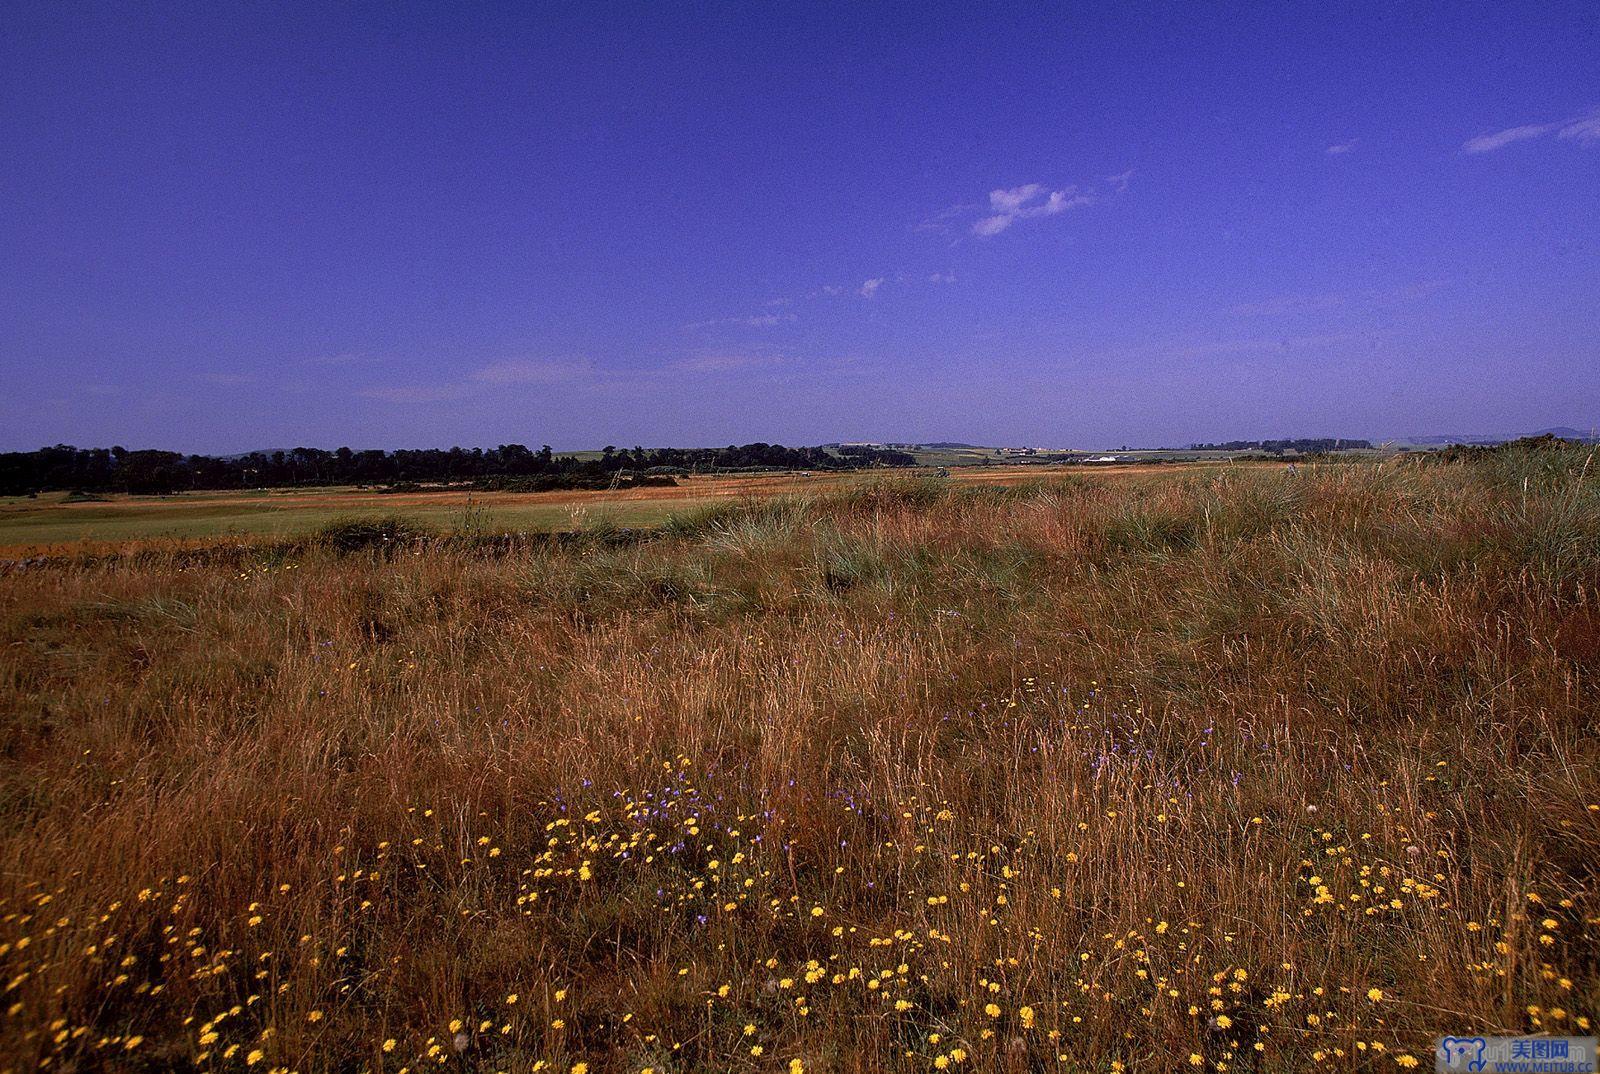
[(226, 227)]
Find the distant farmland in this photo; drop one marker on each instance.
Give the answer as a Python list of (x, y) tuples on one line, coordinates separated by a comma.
[(56, 521)]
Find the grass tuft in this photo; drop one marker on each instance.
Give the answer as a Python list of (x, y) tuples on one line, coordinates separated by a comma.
[(360, 533)]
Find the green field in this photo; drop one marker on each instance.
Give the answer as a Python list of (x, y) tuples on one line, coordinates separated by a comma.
[(55, 520), (46, 520)]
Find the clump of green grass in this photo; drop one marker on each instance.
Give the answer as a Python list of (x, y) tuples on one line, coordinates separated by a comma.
[(363, 533), (740, 521), (891, 493)]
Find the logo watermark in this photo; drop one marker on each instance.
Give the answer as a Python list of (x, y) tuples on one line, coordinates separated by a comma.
[(1533, 1055)]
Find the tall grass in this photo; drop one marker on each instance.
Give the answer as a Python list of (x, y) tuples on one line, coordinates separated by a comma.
[(1246, 771)]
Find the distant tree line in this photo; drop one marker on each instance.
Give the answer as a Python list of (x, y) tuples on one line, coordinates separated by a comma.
[(1278, 447), (151, 472)]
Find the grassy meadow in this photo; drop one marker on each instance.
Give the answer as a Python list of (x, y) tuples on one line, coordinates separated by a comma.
[(1229, 769), (55, 523)]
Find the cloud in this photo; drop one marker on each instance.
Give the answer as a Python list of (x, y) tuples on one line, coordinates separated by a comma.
[(1584, 128), (530, 371), (940, 220), (1060, 201), (1341, 149), (1486, 143), (942, 277), (870, 287), (1004, 206), (760, 320), (991, 225), (1029, 201), (1010, 202)]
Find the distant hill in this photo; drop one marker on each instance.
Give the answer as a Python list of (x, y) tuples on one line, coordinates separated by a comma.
[(1567, 432)]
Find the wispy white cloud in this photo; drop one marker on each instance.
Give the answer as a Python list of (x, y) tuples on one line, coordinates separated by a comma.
[(870, 287), (1010, 202), (1341, 149), (992, 225), (1487, 143), (760, 320), (1030, 201), (942, 277), (1060, 201), (1584, 128), (1004, 206)]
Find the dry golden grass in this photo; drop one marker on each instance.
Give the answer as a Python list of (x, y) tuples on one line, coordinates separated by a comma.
[(1246, 770)]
